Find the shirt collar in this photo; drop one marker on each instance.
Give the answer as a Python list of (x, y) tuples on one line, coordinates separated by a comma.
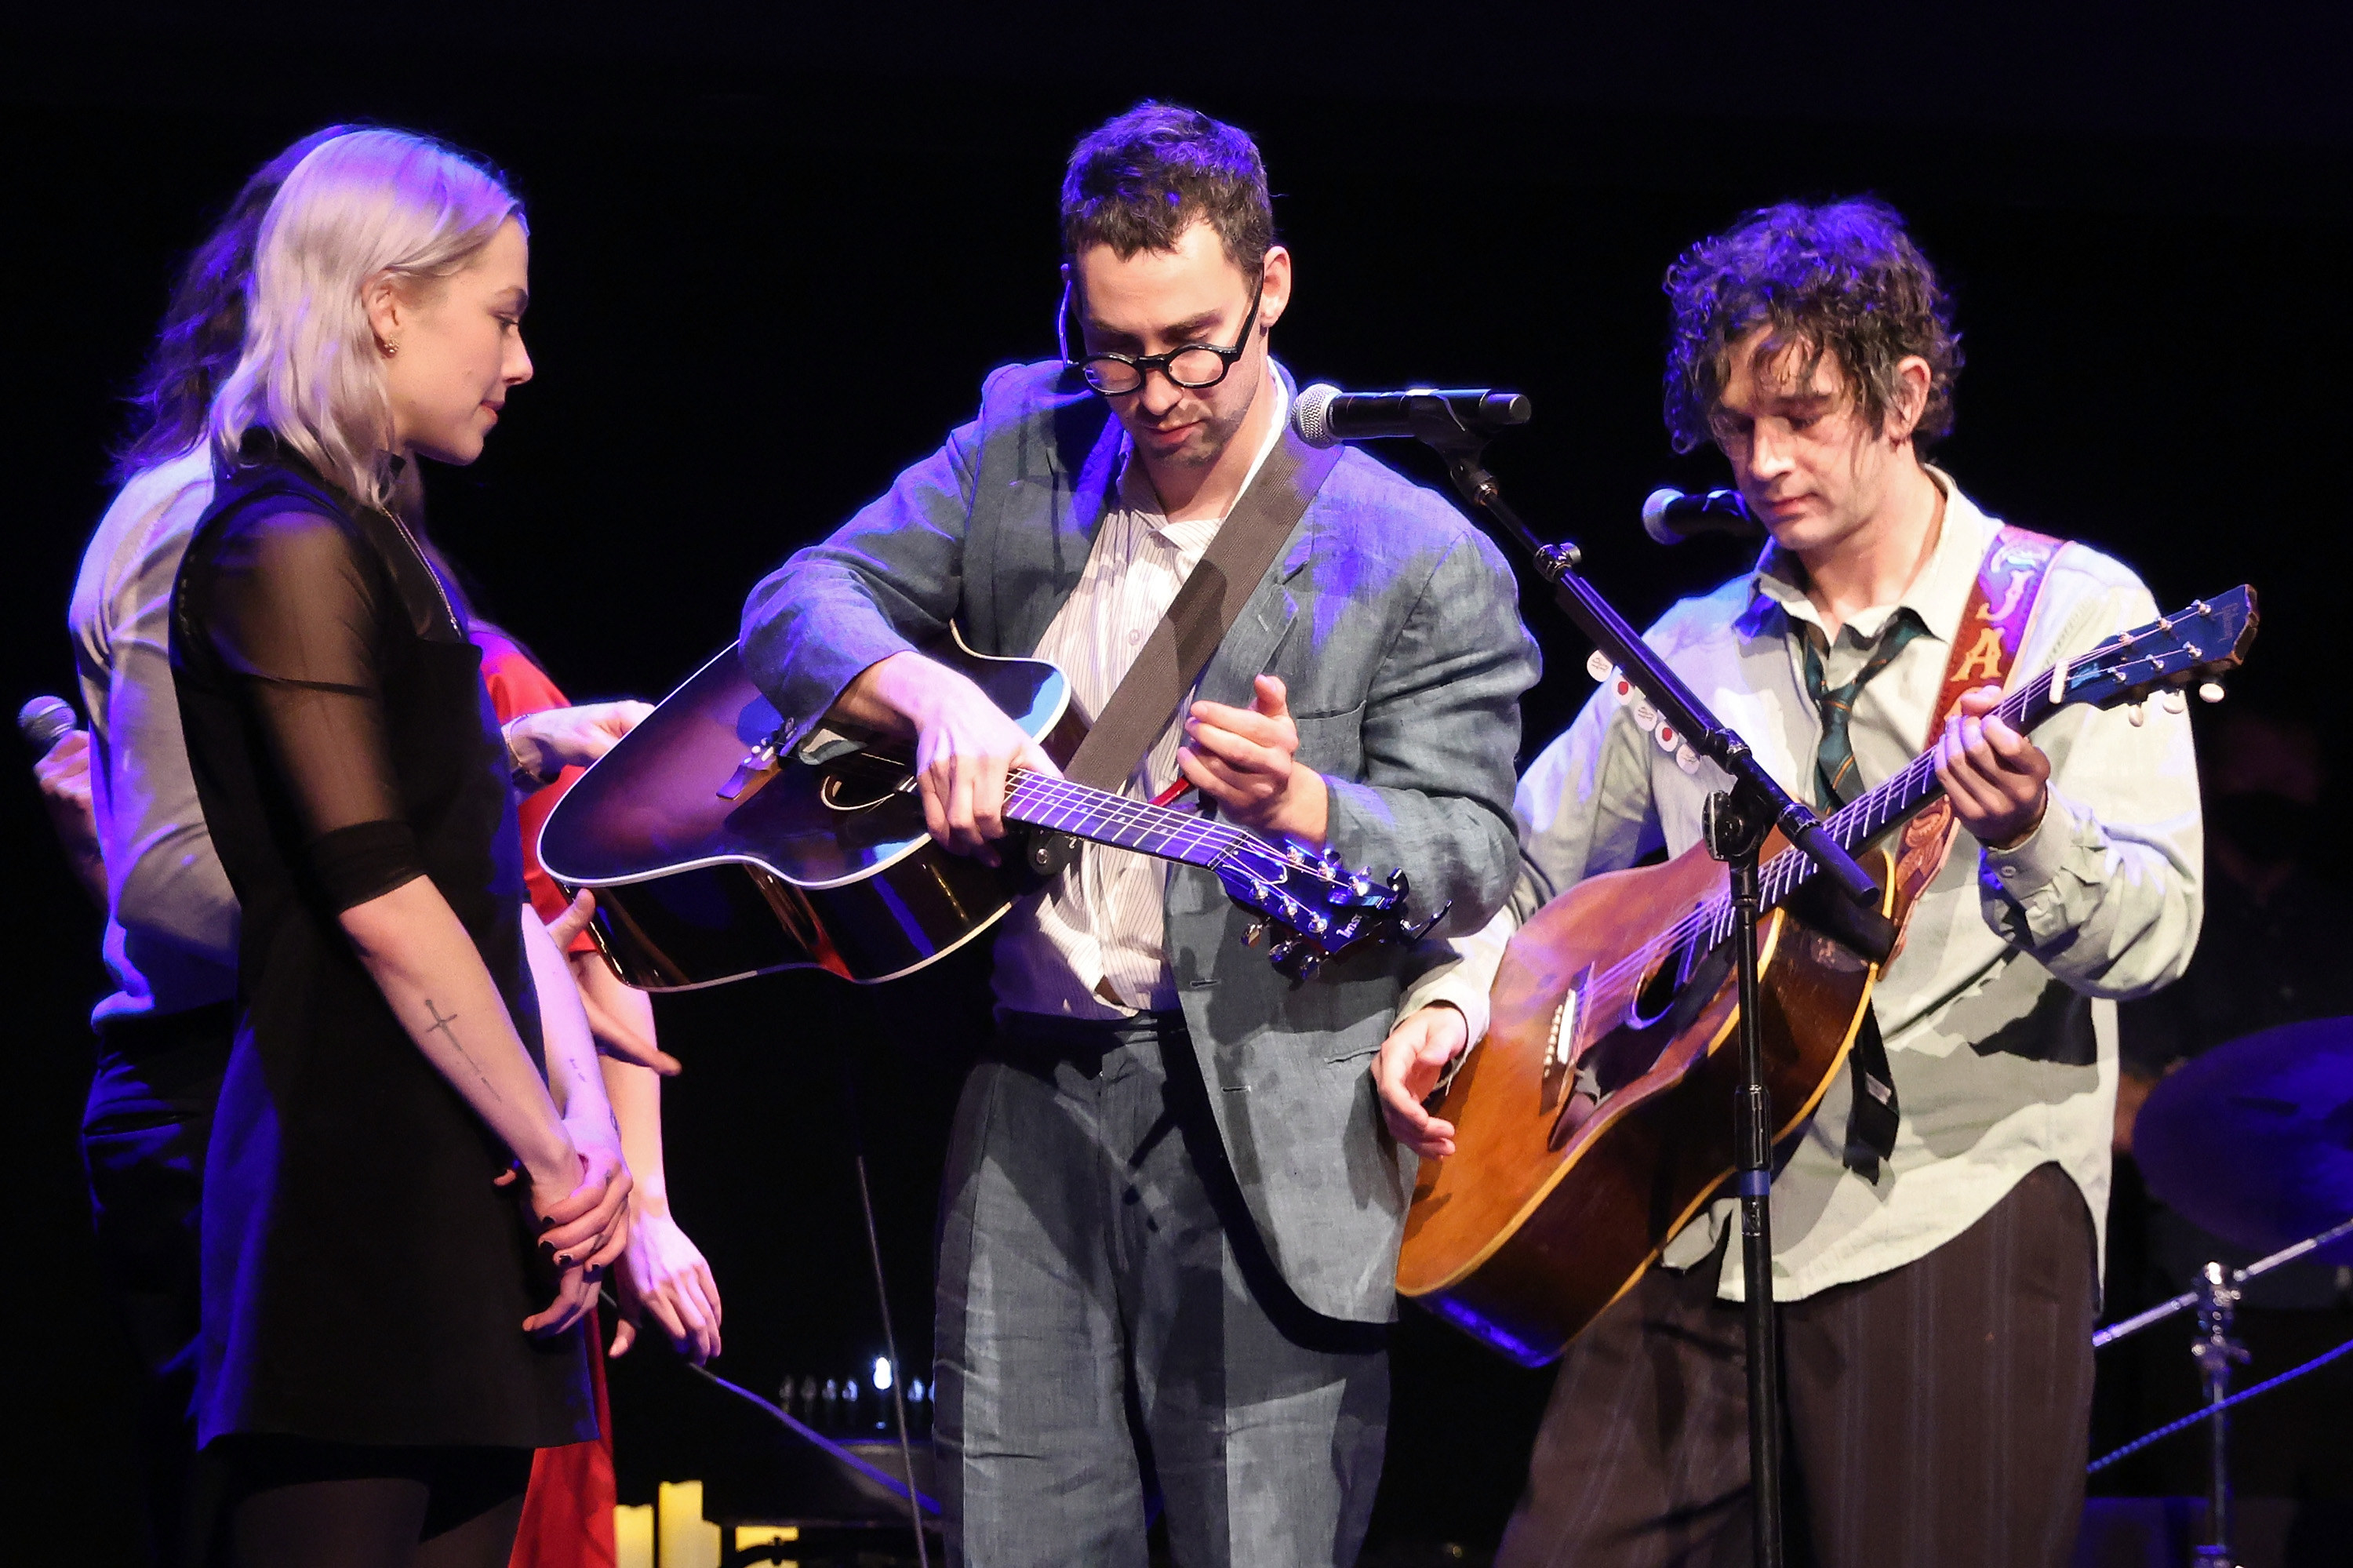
[(1938, 595), (1135, 492)]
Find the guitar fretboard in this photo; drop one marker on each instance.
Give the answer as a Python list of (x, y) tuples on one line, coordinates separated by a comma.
[(2137, 661), (1853, 825), (1104, 818), (1894, 798)]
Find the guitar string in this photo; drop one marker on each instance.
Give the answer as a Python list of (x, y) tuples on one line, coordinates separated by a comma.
[(1608, 992), (1791, 868), (1112, 812), (1904, 791), (1116, 813)]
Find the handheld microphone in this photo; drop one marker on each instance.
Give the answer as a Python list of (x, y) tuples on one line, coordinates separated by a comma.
[(42, 720), (1670, 516), (1324, 416)]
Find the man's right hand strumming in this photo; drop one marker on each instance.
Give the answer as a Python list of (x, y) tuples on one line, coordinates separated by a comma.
[(965, 745)]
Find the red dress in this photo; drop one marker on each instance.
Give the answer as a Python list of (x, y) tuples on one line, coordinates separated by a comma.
[(567, 1514)]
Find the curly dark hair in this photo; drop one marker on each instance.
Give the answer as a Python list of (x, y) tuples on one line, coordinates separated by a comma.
[(1842, 279), (204, 326), (1139, 181)]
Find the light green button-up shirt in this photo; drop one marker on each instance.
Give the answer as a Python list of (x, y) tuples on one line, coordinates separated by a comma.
[(1999, 1014)]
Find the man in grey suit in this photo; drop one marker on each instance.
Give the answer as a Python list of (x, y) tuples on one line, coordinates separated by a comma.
[(1171, 1218)]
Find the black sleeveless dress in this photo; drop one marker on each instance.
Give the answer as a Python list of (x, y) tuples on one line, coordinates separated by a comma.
[(364, 1281)]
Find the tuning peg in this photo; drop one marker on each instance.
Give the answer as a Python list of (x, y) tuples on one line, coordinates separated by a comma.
[(1416, 933), (2173, 702), (1295, 958), (1255, 934), (2210, 692), (2139, 714)]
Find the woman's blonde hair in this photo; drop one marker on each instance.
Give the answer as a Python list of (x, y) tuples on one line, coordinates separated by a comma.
[(360, 207)]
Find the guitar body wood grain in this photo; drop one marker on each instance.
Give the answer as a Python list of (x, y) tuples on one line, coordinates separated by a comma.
[(1568, 1178), (1555, 1203)]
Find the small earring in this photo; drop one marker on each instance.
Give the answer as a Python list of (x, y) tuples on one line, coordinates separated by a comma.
[(386, 349)]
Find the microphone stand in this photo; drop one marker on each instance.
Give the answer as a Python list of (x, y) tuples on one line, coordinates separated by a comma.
[(1736, 823)]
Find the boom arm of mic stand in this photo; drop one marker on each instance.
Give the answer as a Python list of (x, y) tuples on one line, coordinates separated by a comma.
[(1708, 736)]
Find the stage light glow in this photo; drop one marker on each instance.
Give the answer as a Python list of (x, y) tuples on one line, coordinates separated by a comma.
[(882, 1374)]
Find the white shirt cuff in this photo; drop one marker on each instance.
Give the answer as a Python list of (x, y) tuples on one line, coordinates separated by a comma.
[(2027, 867), (1448, 983)]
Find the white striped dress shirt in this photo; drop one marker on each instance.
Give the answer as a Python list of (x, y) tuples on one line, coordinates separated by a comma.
[(1093, 943)]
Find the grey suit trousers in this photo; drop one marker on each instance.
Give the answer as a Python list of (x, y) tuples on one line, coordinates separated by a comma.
[(1111, 1334)]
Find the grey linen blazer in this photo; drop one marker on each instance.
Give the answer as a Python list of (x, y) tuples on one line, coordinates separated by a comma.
[(1395, 626)]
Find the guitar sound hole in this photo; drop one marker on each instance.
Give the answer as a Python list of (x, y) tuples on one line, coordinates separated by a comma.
[(1625, 1055), (842, 792), (1658, 994)]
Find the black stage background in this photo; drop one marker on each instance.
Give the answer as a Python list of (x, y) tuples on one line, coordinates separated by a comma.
[(774, 261)]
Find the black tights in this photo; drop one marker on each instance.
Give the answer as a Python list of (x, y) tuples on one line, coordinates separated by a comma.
[(296, 1503)]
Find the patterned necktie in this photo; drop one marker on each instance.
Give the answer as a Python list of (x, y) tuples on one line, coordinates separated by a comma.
[(1834, 776), (1870, 1125)]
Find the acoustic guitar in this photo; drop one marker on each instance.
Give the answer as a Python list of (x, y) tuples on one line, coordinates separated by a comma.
[(717, 853), (1597, 1117)]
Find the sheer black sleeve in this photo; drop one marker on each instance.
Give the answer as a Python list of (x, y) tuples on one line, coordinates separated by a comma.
[(295, 604)]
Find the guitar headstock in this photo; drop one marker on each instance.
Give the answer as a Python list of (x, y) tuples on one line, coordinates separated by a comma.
[(1315, 907), (2193, 646)]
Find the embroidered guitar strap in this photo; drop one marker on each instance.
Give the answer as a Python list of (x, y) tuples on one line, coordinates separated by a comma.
[(1985, 651)]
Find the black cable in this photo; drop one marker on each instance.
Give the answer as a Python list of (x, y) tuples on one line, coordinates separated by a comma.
[(2194, 1417), (883, 1299), (917, 1502), (880, 1476)]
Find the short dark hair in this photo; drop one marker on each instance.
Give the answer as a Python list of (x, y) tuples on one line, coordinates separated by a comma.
[(1140, 181), (203, 330), (1841, 279)]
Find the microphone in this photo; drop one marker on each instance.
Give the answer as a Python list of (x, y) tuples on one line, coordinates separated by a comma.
[(1670, 516), (1324, 416), (42, 720)]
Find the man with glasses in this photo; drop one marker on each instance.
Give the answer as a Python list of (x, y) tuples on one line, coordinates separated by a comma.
[(1170, 1219)]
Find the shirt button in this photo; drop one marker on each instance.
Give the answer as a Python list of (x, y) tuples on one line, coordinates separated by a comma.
[(2009, 871), (1133, 638)]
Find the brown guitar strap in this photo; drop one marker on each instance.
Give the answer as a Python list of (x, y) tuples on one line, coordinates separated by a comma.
[(1985, 651), (1204, 611)]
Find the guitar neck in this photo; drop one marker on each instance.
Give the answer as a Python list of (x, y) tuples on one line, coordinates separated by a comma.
[(1104, 818), (1897, 797)]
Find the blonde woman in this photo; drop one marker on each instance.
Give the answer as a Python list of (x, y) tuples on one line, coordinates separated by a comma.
[(380, 1349)]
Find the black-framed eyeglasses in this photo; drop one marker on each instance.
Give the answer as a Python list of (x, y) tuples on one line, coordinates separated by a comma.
[(1194, 367)]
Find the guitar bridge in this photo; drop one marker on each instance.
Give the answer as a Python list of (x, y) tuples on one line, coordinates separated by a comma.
[(761, 759), (1560, 1046)]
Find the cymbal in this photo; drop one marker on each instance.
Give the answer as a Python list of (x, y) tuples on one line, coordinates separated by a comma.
[(2254, 1140)]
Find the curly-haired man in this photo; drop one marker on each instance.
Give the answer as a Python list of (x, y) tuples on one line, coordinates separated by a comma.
[(1939, 1265)]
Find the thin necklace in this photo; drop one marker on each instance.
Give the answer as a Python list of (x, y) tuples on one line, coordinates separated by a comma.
[(446, 607)]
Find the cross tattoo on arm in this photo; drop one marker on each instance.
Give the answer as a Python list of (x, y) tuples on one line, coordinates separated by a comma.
[(442, 1026)]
